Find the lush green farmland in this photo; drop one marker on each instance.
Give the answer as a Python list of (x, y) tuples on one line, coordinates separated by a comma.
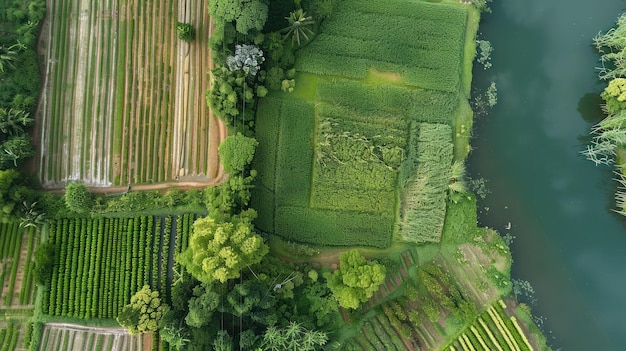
[(67, 337), (9, 336), (125, 106), (101, 262), (363, 149)]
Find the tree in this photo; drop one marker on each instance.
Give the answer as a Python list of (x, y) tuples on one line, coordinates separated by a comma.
[(247, 58), (15, 189), (15, 150), (143, 313), (185, 31), (236, 152), (247, 14), (78, 199), (293, 337), (299, 26), (8, 55), (615, 95), (201, 306), (223, 341), (218, 250), (356, 280)]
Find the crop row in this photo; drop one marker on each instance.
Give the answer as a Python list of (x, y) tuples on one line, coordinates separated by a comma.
[(9, 336), (493, 330), (423, 203), (11, 245), (103, 261)]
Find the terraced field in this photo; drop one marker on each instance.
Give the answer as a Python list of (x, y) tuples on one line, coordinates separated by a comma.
[(124, 97)]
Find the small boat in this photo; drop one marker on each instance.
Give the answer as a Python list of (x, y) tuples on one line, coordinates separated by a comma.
[(508, 226)]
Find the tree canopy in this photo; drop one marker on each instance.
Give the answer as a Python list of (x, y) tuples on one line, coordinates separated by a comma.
[(356, 280), (219, 250), (236, 152), (615, 95), (247, 14), (143, 313), (78, 198)]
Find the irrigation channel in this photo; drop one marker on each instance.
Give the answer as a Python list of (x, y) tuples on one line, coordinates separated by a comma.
[(569, 244)]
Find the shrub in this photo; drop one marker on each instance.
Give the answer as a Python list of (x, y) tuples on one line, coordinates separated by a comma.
[(185, 31), (78, 199)]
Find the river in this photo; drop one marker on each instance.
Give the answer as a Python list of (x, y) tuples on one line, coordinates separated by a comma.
[(569, 245)]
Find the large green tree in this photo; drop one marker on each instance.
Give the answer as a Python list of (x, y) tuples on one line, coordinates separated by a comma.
[(143, 313), (247, 14), (77, 197), (236, 152), (218, 250), (356, 280)]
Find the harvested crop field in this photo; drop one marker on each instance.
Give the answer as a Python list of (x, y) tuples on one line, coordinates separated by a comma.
[(123, 100)]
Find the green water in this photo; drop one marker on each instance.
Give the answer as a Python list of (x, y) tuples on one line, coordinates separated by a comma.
[(568, 244)]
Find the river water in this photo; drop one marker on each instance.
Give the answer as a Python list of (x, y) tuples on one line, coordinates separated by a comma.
[(569, 245)]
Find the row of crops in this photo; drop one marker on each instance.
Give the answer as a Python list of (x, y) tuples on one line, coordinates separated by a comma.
[(9, 336), (15, 269), (493, 330), (141, 124), (101, 262), (424, 45)]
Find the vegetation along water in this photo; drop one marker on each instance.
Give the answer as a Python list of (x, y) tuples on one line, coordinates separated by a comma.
[(568, 243)]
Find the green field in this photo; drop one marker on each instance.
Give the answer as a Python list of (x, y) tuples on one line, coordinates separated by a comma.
[(102, 262), (349, 152)]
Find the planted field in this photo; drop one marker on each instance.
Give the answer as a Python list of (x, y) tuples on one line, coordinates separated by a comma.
[(104, 261), (367, 139), (124, 97), (68, 337), (17, 247), (424, 46), (493, 330)]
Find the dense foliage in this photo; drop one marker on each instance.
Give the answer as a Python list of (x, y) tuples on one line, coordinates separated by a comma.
[(356, 280), (143, 313), (19, 78), (218, 251), (236, 152)]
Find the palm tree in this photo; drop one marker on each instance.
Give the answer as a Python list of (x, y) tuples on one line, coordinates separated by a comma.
[(9, 54), (299, 25), (32, 216), (13, 121)]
